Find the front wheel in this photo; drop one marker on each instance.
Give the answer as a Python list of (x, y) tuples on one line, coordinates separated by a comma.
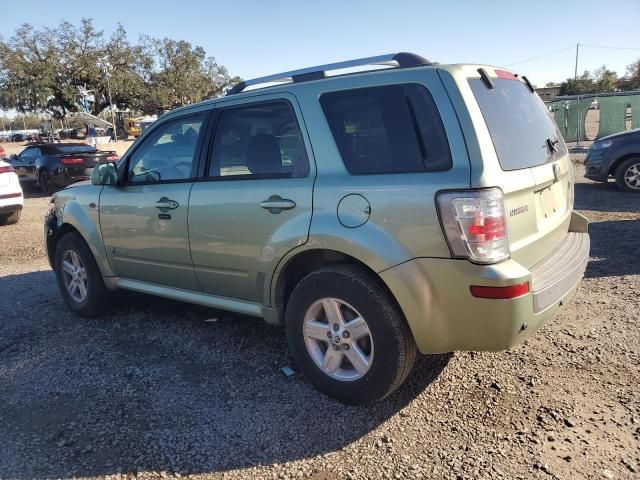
[(628, 175), (347, 336), (79, 277)]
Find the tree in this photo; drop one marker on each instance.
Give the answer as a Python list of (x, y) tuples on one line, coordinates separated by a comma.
[(46, 70), (581, 86), (633, 74), (605, 80)]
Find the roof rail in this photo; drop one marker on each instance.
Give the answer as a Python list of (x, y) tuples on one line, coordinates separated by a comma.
[(398, 60)]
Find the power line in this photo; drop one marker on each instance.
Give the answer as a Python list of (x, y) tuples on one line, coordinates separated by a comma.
[(612, 48), (540, 56), (569, 48)]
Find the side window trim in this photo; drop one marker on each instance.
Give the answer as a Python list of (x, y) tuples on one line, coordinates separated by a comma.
[(198, 154), (207, 156)]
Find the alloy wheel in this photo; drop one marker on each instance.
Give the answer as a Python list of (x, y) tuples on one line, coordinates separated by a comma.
[(632, 176), (74, 276), (338, 339)]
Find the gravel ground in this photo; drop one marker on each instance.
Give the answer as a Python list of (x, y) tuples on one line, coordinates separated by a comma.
[(153, 389)]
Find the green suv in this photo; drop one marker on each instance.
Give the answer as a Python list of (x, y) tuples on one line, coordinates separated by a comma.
[(394, 206)]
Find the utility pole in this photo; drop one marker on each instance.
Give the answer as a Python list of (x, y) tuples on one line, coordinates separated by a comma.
[(105, 66), (575, 74)]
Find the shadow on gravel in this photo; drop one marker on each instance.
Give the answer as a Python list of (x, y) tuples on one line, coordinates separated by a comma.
[(613, 248), (152, 386), (605, 197)]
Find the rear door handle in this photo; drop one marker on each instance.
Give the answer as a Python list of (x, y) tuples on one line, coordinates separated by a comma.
[(277, 204)]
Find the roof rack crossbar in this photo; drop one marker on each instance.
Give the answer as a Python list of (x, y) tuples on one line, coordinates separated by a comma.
[(399, 60)]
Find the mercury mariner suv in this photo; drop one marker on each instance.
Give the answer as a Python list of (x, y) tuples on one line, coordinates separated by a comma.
[(374, 208)]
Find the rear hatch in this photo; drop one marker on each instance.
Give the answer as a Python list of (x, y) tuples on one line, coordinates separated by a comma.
[(521, 151), (79, 159)]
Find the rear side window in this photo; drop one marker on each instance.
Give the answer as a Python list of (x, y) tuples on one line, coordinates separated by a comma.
[(387, 129), (519, 124)]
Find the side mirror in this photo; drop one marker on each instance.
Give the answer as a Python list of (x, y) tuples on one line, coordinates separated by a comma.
[(13, 157), (105, 174)]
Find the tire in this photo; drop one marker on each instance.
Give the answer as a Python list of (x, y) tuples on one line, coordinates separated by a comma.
[(388, 345), (628, 175), (10, 218), (96, 296), (45, 182)]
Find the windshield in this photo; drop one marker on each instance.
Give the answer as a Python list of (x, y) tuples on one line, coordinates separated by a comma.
[(75, 149), (523, 133)]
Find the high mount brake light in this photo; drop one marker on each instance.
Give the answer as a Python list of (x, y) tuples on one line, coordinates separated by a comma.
[(72, 161), (474, 224)]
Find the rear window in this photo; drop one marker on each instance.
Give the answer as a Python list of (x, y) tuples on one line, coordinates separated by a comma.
[(387, 129), (74, 149), (519, 123)]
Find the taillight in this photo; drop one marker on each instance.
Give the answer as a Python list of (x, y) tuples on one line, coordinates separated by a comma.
[(72, 161), (112, 158), (7, 169), (475, 225)]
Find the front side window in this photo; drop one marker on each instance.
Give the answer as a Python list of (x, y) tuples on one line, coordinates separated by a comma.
[(387, 129), (168, 153), (30, 155), (261, 140)]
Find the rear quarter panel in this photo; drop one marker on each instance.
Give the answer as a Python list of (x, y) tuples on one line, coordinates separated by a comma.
[(403, 222)]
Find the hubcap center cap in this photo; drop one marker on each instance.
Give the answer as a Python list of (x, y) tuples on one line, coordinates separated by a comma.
[(337, 339)]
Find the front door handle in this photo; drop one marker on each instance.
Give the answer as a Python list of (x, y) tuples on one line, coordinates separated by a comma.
[(165, 204), (277, 204)]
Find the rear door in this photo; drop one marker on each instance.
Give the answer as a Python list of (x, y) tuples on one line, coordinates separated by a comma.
[(254, 202), (524, 154)]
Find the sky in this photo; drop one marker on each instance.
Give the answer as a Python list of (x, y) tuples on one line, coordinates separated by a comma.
[(256, 38)]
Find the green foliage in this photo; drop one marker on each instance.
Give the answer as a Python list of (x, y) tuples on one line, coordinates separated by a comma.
[(633, 74), (45, 70)]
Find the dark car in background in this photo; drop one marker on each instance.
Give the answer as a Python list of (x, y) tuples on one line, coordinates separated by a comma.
[(616, 156), (54, 166)]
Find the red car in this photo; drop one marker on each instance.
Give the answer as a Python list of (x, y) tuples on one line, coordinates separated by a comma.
[(2, 152)]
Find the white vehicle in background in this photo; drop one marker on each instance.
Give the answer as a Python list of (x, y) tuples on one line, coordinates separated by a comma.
[(11, 198)]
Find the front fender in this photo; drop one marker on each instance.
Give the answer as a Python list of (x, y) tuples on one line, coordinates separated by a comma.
[(80, 212)]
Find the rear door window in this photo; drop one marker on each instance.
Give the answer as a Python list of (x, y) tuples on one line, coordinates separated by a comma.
[(387, 129), (519, 123)]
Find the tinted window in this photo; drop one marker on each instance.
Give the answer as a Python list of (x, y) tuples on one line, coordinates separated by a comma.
[(168, 153), (74, 149), (387, 129), (519, 124), (260, 139), (30, 154)]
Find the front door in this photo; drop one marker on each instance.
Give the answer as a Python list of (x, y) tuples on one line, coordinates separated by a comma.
[(254, 204), (144, 220)]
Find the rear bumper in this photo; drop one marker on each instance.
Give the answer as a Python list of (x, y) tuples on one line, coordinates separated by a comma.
[(435, 296)]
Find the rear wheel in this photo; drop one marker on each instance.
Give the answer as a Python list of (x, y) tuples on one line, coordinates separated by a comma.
[(348, 337), (628, 175), (10, 218), (79, 277), (45, 182)]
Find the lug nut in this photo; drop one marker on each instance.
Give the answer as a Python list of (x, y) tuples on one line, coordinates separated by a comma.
[(329, 335), (346, 346), (336, 327), (346, 334), (335, 347)]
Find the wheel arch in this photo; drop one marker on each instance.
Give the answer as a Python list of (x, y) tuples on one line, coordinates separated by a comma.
[(302, 263), (75, 218), (617, 162)]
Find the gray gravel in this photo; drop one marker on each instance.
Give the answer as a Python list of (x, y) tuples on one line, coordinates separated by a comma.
[(153, 390)]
